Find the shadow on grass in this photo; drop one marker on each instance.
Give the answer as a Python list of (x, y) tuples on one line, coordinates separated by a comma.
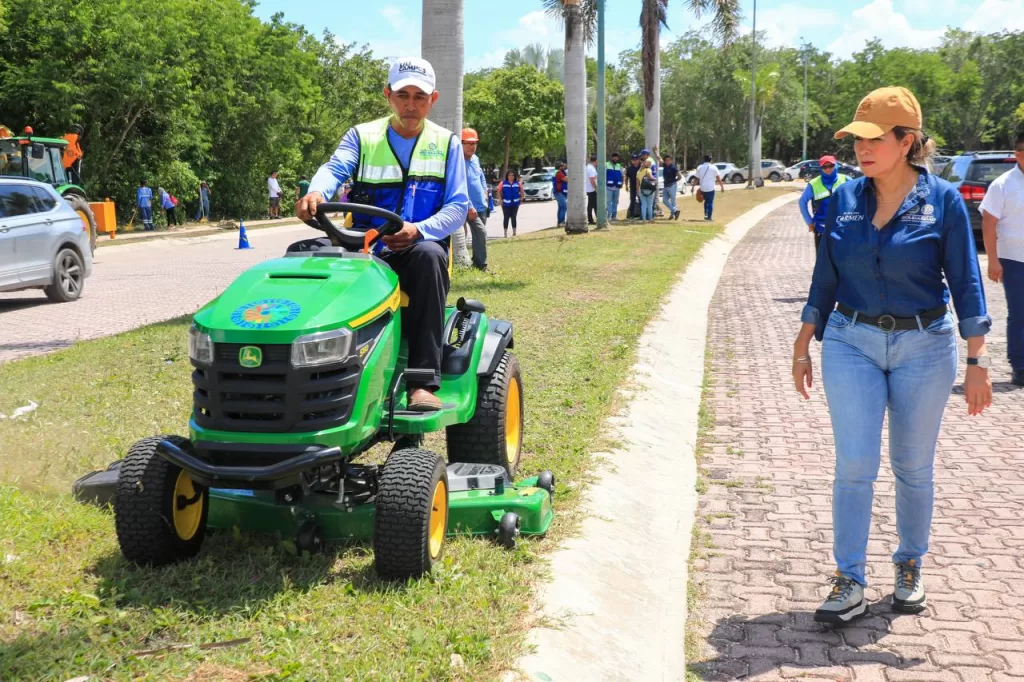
[(747, 647)]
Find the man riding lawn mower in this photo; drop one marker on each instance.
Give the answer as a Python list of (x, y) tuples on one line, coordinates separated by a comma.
[(300, 367)]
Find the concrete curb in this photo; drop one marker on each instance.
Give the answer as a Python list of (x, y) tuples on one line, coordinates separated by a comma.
[(618, 590)]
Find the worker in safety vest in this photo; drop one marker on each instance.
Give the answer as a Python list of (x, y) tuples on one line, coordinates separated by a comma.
[(408, 165), (817, 193), (614, 180)]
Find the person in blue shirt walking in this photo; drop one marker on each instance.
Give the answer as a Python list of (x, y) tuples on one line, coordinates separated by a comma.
[(878, 304), (614, 178), (671, 176), (817, 193), (411, 166), (144, 202), (476, 183), (510, 192)]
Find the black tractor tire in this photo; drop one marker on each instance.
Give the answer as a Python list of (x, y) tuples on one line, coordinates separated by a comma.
[(403, 543), (81, 206), (146, 502), (483, 439), (68, 277)]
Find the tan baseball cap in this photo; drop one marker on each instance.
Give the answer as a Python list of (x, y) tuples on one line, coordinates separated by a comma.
[(883, 110)]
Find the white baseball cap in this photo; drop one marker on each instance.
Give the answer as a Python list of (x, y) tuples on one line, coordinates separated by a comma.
[(412, 71)]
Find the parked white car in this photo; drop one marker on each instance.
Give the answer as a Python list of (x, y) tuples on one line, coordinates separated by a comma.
[(793, 172), (730, 173), (539, 187), (43, 243)]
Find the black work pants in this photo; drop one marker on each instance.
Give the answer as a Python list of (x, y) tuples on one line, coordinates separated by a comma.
[(634, 203), (422, 271), (509, 214), (591, 206), (172, 215), (817, 242)]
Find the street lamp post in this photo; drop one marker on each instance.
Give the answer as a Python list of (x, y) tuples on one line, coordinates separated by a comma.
[(805, 55), (602, 165), (753, 89)]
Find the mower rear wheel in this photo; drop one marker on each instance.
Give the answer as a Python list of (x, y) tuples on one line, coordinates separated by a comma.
[(495, 433), (412, 514), (159, 512)]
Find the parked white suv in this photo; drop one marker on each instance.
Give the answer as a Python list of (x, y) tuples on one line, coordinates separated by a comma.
[(43, 244)]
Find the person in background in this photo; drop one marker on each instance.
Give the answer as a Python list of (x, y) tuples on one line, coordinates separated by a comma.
[(301, 187), (671, 174), (510, 192), (561, 192), (614, 182), (592, 190), (817, 192), (878, 302), (476, 182), (634, 202), (1002, 216), (204, 201), (167, 203), (274, 190), (144, 202), (707, 174), (647, 181)]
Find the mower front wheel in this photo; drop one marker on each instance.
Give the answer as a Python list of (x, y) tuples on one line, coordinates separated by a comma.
[(412, 514), (159, 512), (495, 433)]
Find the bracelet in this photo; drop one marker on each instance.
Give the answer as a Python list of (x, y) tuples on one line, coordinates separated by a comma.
[(804, 360)]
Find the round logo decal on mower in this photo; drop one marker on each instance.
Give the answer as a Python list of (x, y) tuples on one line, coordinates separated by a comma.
[(265, 314)]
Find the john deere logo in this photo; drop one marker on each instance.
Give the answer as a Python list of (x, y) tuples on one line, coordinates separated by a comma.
[(250, 356)]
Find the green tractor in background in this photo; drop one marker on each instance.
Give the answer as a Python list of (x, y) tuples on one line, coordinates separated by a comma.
[(56, 161)]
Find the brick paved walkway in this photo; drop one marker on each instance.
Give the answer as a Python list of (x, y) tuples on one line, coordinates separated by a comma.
[(767, 513)]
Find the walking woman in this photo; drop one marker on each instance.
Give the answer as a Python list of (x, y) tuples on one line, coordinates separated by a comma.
[(879, 303), (511, 194), (648, 184)]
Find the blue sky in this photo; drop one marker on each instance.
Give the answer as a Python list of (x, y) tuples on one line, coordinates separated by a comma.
[(392, 27)]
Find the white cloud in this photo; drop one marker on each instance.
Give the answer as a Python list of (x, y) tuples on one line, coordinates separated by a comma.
[(787, 24), (930, 8), (879, 19), (995, 15)]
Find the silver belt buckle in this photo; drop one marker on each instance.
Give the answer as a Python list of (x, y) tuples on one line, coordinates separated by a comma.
[(887, 323)]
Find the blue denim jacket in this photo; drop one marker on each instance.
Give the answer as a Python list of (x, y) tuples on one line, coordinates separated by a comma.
[(899, 269)]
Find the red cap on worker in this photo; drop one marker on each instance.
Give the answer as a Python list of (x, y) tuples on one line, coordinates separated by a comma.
[(827, 159), (469, 135)]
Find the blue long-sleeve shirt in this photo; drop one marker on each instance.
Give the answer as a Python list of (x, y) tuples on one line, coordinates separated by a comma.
[(898, 270), (144, 197), (476, 184), (807, 197), (452, 215)]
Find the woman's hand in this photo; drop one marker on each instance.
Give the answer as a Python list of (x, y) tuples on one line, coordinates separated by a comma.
[(803, 374), (977, 390)]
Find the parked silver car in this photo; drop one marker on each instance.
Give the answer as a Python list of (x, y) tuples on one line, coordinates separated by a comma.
[(43, 244), (772, 170)]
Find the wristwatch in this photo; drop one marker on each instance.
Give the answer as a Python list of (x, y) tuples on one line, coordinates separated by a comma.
[(982, 361)]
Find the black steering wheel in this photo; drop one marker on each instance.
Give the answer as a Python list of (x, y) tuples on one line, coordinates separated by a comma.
[(354, 239)]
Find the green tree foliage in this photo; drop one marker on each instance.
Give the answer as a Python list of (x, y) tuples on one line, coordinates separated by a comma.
[(176, 91)]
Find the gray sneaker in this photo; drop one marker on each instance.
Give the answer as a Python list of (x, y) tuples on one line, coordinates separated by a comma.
[(844, 603), (908, 594)]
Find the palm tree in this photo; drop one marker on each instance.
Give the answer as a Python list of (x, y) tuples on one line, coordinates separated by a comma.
[(547, 61), (652, 18), (442, 46), (579, 18)]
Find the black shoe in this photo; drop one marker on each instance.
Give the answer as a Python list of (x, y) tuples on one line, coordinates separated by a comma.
[(1018, 377)]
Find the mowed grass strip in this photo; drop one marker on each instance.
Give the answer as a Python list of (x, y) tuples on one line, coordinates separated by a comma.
[(70, 605)]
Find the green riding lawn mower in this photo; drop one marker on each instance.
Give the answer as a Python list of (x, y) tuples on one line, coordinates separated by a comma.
[(299, 367)]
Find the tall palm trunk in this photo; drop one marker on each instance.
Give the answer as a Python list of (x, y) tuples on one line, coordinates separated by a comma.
[(652, 17), (575, 118), (442, 46)]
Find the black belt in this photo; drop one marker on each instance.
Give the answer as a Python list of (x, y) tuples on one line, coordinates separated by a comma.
[(891, 323)]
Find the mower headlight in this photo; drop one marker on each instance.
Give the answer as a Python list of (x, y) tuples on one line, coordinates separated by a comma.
[(200, 347), (321, 348)]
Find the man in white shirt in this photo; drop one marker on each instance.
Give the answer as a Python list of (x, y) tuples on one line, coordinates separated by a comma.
[(707, 173), (591, 190), (1002, 216), (274, 189)]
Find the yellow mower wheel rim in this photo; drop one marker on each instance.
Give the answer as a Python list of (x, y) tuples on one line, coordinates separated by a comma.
[(438, 519), (186, 520), (513, 422)]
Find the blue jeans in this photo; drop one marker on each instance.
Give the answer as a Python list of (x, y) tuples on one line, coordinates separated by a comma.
[(146, 214), (613, 204), (669, 198), (561, 199), (866, 371), (709, 204), (1013, 285), (204, 210), (647, 206)]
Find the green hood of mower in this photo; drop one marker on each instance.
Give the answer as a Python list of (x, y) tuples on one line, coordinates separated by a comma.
[(281, 299)]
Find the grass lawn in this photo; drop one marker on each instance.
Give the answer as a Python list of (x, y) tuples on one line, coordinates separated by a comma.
[(246, 608)]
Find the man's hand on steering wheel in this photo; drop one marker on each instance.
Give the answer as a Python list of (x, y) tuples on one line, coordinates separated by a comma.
[(408, 236), (305, 208)]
